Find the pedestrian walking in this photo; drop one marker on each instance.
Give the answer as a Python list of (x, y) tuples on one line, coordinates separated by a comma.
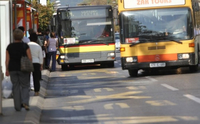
[(52, 44), (19, 79), (46, 38), (37, 57)]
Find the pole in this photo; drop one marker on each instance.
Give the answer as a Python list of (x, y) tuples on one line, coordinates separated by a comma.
[(0, 74), (15, 13)]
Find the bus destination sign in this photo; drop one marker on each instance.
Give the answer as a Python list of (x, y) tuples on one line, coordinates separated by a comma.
[(88, 13), (151, 3)]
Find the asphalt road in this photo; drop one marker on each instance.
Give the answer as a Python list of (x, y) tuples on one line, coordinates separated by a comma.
[(96, 95)]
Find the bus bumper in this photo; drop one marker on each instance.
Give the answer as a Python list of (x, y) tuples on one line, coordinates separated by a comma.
[(167, 64), (86, 61)]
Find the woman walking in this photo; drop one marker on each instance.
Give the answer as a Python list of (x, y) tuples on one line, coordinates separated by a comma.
[(19, 79), (52, 44), (36, 53)]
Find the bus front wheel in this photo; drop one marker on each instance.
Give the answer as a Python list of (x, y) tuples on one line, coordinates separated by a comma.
[(194, 68), (133, 72), (64, 67)]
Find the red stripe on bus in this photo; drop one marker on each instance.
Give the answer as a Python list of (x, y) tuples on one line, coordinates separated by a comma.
[(89, 45), (156, 58)]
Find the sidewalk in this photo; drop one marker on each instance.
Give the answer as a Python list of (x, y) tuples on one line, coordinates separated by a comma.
[(10, 116)]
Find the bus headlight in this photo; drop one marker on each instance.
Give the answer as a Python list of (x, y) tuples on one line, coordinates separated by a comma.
[(111, 54), (183, 56), (62, 56), (131, 59)]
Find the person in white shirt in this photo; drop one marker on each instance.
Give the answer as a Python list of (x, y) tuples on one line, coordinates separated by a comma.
[(25, 39), (37, 59), (52, 44)]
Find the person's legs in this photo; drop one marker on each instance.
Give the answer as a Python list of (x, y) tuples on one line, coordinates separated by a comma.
[(36, 77), (48, 59), (53, 66), (14, 77), (24, 78)]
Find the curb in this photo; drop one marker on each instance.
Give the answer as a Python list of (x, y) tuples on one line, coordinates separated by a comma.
[(10, 116), (36, 103)]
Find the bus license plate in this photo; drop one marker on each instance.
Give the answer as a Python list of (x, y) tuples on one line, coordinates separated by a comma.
[(155, 65), (87, 60)]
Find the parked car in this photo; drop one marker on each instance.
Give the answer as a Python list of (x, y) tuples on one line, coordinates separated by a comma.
[(117, 42)]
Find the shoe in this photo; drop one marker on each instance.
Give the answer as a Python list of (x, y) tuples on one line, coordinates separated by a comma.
[(36, 94), (26, 107), (32, 88)]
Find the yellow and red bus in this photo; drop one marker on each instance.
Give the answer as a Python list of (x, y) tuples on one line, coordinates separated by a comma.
[(158, 34), (86, 35)]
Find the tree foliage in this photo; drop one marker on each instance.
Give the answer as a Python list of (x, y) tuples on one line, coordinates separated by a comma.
[(44, 13)]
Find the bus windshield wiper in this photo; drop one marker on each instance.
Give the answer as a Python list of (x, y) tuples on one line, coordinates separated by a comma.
[(177, 41), (168, 39), (140, 41), (93, 41), (133, 44), (100, 41), (172, 39)]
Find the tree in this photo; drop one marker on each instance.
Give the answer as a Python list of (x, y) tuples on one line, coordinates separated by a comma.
[(44, 13)]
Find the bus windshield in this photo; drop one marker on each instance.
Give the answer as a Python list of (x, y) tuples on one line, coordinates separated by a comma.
[(157, 25), (88, 29)]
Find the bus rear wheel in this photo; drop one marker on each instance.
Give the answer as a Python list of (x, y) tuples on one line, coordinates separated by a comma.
[(133, 72)]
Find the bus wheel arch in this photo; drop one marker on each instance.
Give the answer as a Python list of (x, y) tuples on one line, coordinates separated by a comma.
[(64, 67), (133, 72), (194, 68)]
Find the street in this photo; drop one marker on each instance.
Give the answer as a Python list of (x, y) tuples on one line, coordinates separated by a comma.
[(96, 95)]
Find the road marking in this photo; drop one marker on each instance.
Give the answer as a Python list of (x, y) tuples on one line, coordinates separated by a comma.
[(169, 87), (100, 89), (78, 108), (125, 95), (136, 88), (150, 78), (109, 119), (132, 88), (121, 105), (161, 103), (112, 72), (196, 99), (93, 77), (63, 75)]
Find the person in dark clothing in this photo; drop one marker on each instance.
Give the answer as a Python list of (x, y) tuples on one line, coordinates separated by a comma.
[(19, 79), (36, 53)]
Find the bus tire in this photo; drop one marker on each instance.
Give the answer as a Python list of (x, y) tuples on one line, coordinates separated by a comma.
[(194, 68), (133, 72), (64, 67)]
